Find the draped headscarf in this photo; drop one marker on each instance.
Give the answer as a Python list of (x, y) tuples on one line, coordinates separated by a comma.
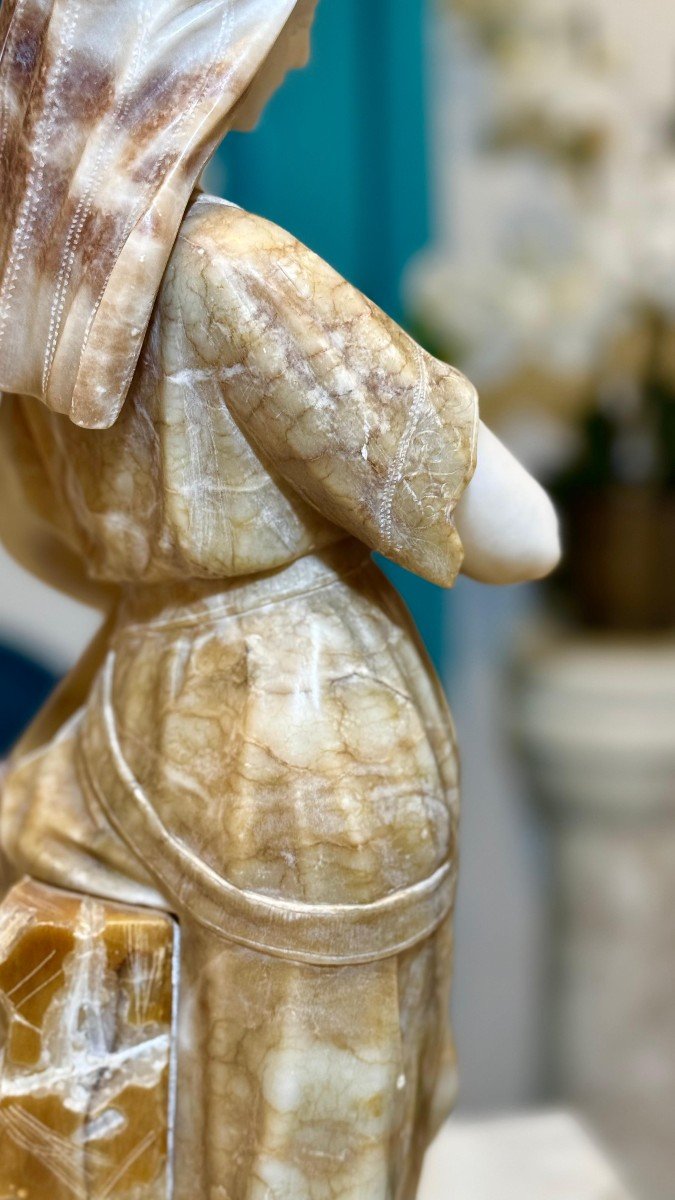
[(109, 110)]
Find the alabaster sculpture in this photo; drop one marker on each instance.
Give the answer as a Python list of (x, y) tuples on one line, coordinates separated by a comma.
[(231, 836)]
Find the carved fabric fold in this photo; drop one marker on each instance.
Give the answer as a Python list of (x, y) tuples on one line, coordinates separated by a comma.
[(306, 1082), (323, 934), (109, 110), (301, 804), (273, 408)]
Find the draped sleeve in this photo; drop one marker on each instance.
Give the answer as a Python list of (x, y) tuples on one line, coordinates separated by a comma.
[(357, 418)]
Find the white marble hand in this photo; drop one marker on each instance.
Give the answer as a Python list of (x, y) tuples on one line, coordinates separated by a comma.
[(506, 521)]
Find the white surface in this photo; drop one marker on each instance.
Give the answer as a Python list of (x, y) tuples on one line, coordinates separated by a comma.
[(507, 523), (549, 1157)]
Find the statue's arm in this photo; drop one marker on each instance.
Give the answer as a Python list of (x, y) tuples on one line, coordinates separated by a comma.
[(343, 405), (377, 434)]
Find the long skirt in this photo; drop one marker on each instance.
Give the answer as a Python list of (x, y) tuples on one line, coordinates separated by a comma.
[(272, 763)]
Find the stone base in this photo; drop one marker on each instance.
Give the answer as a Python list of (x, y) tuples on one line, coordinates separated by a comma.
[(86, 1006), (547, 1157)]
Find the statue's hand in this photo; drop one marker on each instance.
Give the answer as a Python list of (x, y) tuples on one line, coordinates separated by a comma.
[(506, 521)]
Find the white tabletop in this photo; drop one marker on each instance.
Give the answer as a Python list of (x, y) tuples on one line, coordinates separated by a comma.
[(540, 1157)]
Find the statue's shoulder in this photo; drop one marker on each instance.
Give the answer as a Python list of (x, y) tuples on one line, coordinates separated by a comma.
[(251, 271), (220, 228)]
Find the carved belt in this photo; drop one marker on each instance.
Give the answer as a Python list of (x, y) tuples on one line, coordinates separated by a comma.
[(324, 934)]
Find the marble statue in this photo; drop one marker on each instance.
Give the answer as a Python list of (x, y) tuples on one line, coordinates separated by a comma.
[(231, 835)]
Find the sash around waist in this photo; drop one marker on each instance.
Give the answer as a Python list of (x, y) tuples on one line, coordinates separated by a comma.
[(183, 603), (321, 934)]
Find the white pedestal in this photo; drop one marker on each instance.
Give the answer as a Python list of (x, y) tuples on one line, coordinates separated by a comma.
[(597, 718), (548, 1157)]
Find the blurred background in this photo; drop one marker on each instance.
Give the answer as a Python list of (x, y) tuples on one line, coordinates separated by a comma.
[(500, 176)]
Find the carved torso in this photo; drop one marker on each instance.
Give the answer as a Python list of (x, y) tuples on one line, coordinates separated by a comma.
[(284, 728)]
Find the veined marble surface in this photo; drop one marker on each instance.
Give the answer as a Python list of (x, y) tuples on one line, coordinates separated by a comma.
[(86, 1004), (256, 741), (206, 430)]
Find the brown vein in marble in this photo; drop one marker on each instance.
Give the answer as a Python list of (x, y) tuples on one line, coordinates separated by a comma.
[(256, 740), (104, 133)]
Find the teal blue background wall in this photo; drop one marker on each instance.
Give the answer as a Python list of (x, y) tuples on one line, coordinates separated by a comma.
[(340, 159)]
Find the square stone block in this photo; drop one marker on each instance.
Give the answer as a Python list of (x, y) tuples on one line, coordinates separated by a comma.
[(86, 1014)]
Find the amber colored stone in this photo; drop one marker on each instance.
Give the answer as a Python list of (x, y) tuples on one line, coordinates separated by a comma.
[(255, 740), (85, 1029)]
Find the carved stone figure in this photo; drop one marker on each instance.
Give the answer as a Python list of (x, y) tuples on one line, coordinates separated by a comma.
[(207, 430)]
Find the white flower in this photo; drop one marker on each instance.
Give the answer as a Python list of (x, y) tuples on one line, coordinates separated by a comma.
[(509, 317), (651, 240)]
